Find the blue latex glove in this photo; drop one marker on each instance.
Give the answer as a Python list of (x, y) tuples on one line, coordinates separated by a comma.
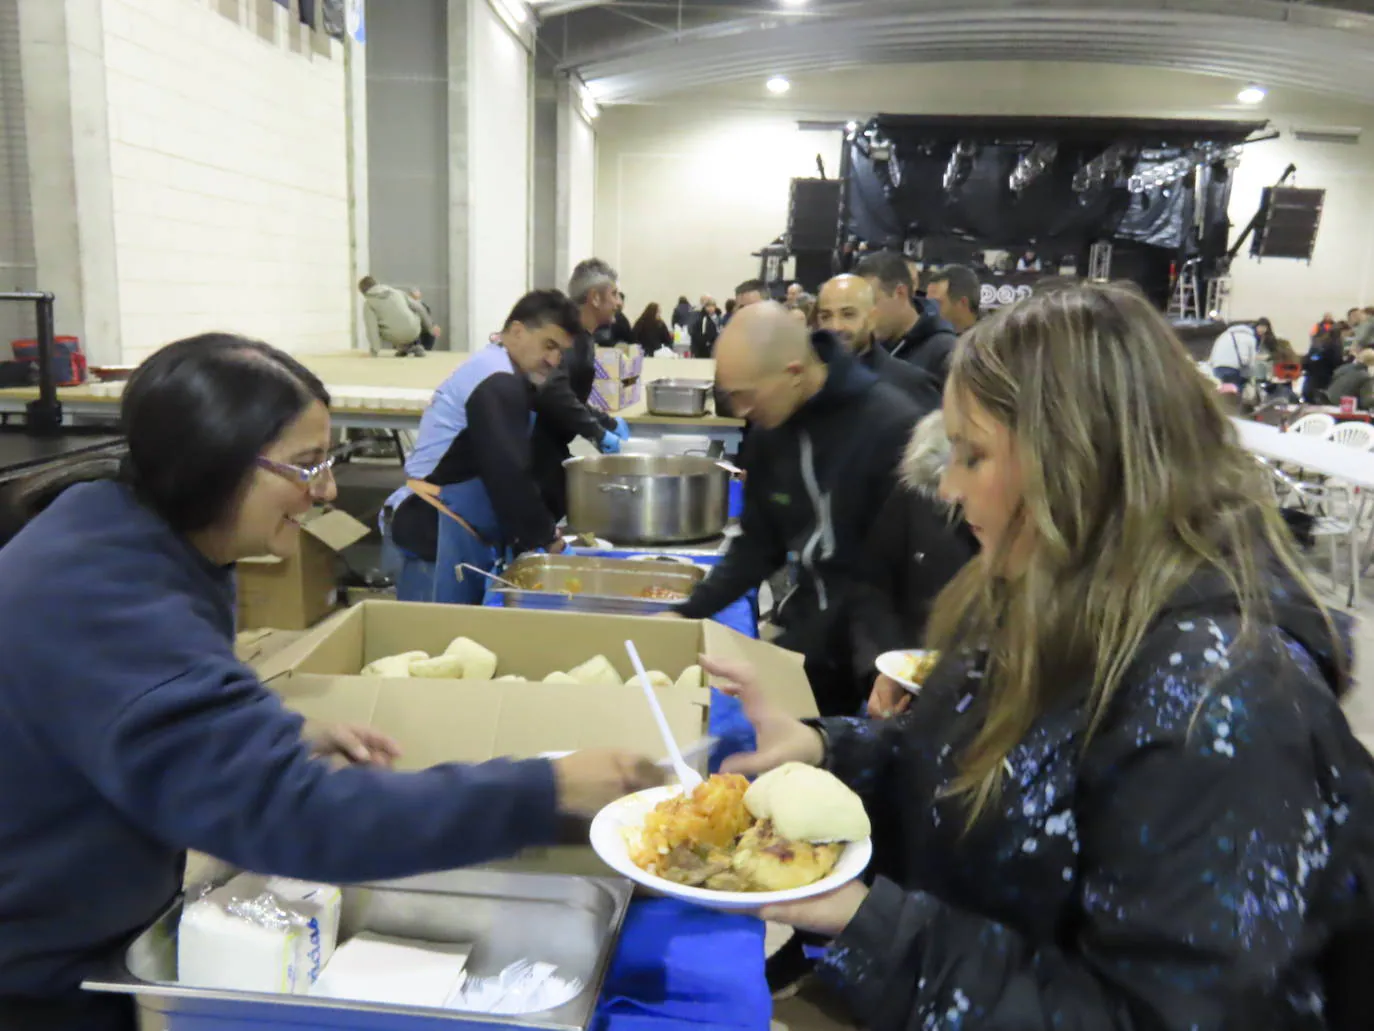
[(610, 444), (622, 428)]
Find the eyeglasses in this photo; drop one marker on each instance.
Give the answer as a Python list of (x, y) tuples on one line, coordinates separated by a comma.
[(309, 478)]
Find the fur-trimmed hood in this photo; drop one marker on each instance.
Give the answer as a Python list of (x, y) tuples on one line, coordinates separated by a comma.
[(927, 454)]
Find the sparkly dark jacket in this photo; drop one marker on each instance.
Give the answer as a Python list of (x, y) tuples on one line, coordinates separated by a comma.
[(1203, 862)]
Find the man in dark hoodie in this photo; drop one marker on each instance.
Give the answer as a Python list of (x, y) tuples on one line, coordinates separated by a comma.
[(845, 308), (826, 438), (909, 326)]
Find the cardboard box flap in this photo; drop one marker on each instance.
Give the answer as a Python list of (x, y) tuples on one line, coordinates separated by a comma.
[(292, 656), (439, 721), (334, 528), (780, 672)]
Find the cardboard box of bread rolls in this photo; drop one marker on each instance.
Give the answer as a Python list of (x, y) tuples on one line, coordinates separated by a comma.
[(444, 718)]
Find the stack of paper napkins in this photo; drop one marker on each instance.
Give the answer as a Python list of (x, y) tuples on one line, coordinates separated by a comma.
[(259, 934), (394, 971)]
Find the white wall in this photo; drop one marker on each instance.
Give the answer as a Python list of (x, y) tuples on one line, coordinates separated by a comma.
[(581, 158), (230, 178), (499, 138), (688, 188)]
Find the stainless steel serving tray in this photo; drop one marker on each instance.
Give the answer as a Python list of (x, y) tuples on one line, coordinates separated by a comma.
[(683, 397), (582, 583), (571, 922)]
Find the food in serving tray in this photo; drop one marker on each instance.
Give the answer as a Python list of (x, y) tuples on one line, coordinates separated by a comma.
[(915, 668), (714, 838), (656, 593)]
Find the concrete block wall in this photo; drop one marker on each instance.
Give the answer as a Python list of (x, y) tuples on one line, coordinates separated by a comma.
[(229, 165)]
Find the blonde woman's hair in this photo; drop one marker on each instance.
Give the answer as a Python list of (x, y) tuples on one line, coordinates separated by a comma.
[(1133, 481)]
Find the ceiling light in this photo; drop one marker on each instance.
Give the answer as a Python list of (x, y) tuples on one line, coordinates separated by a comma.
[(793, 3), (851, 126), (777, 85), (1251, 95)]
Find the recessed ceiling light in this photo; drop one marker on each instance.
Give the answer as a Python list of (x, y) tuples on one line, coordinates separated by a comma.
[(1251, 95), (851, 126), (793, 3), (778, 85)]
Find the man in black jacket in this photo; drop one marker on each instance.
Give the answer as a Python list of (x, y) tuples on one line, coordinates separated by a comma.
[(907, 325), (845, 308), (560, 404), (826, 437)]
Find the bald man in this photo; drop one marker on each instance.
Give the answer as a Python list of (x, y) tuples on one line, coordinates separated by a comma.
[(826, 438), (845, 308)]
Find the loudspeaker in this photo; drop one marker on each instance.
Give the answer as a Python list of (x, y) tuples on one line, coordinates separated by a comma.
[(813, 216), (1288, 223), (813, 268)]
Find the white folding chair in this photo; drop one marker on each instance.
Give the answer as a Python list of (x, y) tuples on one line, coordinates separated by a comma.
[(1314, 424), (1333, 527)]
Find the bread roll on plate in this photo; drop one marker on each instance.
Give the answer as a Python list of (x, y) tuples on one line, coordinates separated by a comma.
[(808, 804)]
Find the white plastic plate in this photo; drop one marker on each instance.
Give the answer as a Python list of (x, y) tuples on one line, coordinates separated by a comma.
[(608, 837), (891, 664)]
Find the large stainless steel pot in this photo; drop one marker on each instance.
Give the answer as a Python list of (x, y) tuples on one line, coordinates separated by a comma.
[(647, 499)]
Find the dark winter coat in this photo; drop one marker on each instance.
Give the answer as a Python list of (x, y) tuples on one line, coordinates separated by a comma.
[(1202, 862), (915, 548)]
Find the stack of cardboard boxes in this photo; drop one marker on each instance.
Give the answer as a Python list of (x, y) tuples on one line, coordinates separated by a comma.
[(297, 592), (617, 377)]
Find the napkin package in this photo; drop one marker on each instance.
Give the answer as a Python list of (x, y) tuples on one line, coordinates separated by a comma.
[(259, 934)]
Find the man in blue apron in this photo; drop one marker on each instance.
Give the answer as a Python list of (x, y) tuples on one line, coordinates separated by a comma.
[(471, 494)]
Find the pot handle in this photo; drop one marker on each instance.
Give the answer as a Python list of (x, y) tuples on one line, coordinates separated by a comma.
[(731, 468), (617, 488)]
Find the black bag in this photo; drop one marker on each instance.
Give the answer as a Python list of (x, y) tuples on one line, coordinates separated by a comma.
[(18, 374)]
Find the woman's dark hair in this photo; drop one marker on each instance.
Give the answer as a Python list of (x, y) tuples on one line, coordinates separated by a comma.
[(199, 412), (648, 321)]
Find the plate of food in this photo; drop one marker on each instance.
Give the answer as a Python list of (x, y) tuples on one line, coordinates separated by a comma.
[(795, 833), (910, 667)]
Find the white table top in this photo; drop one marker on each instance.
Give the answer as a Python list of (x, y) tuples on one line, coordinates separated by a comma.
[(1312, 453)]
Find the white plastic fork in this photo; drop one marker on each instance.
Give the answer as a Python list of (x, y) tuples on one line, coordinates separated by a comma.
[(687, 777)]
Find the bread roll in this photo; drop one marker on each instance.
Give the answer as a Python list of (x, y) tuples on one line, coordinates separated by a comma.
[(478, 663), (596, 671), (512, 678), (561, 678), (693, 677), (807, 804), (656, 679), (438, 668), (393, 666)]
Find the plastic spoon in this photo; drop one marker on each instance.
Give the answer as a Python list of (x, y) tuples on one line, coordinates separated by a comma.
[(687, 777)]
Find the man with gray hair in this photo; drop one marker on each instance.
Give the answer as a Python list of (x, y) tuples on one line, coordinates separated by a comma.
[(560, 404)]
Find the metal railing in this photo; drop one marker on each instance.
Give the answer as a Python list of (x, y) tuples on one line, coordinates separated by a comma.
[(43, 416)]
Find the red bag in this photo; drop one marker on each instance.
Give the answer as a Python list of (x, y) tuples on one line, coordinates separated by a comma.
[(68, 360)]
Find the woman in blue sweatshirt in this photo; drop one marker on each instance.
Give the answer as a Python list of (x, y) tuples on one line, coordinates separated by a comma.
[(130, 733)]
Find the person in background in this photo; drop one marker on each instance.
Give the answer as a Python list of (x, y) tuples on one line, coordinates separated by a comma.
[(1029, 261), (803, 309), (730, 305), (956, 289), (682, 314), (1264, 333), (393, 318), (794, 293), (1353, 380), (704, 329), (619, 331), (751, 291), (1126, 797), (651, 332), (1364, 332), (1233, 355), (428, 337), (846, 309), (917, 546), (821, 456), (129, 732), (560, 403), (473, 449), (909, 327), (1324, 356)]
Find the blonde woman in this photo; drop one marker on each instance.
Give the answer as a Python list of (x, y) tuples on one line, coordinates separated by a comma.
[(1127, 798)]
